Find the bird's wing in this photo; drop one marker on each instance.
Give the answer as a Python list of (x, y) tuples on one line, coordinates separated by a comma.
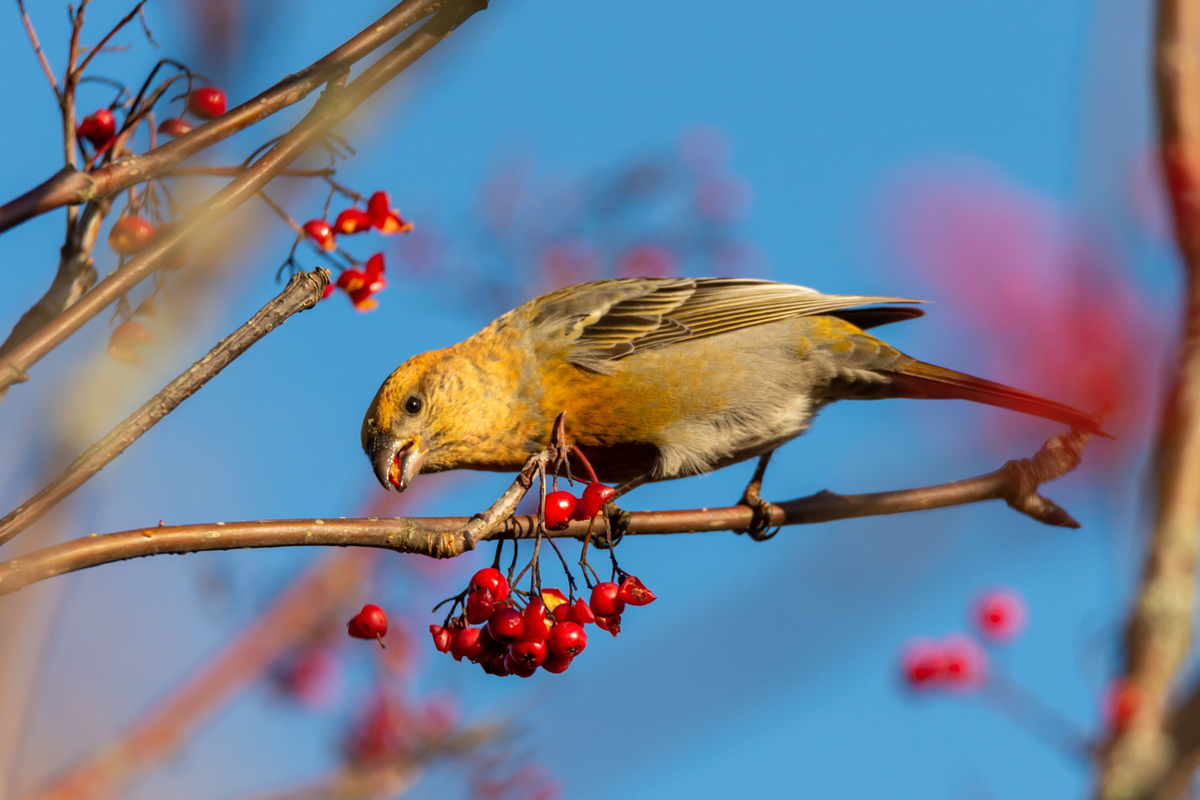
[(610, 320)]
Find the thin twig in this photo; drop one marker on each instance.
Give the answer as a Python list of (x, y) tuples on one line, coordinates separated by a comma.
[(302, 292), (37, 49), (335, 103), (72, 188), (447, 537), (1159, 631), (99, 47)]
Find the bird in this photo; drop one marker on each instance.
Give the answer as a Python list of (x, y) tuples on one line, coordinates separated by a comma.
[(660, 378)]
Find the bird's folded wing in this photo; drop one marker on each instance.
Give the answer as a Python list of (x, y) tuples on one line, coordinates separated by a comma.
[(610, 320)]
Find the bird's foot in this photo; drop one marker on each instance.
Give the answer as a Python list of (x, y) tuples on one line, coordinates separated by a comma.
[(616, 524), (760, 521)]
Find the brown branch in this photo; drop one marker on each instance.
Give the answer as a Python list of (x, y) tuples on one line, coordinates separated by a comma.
[(335, 103), (297, 613), (302, 292), (100, 47), (72, 188), (37, 49), (233, 172), (445, 537), (1158, 634)]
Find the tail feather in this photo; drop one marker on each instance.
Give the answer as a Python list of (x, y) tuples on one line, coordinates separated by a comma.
[(916, 379)]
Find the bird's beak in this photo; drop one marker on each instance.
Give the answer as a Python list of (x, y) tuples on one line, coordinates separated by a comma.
[(396, 463)]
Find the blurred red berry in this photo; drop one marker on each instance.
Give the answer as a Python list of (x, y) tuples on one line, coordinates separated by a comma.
[(493, 580), (312, 678), (567, 640), (352, 220), (466, 645), (479, 606), (360, 285), (384, 218), (174, 126), (319, 231), (207, 102), (559, 507), (329, 289), (441, 638), (370, 623), (495, 663), (595, 495), (506, 625), (648, 261), (924, 663), (635, 593), (966, 663), (606, 600), (1121, 701), (130, 235), (1000, 615), (131, 334), (99, 127)]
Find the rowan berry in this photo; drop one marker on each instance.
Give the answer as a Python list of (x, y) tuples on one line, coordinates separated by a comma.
[(595, 495), (442, 638), (98, 127), (174, 126), (1000, 615), (567, 639), (130, 235), (466, 645), (370, 623), (207, 102), (606, 600), (480, 606), (559, 508), (493, 580), (319, 231), (506, 625)]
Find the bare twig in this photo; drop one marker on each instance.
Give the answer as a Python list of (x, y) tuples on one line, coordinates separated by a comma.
[(100, 47), (37, 49), (71, 188), (446, 537), (1159, 630), (334, 105), (302, 292)]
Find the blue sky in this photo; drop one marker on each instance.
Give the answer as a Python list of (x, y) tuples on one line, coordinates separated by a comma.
[(763, 670)]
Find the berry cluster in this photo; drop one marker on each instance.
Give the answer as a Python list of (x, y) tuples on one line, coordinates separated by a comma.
[(100, 127), (547, 632), (960, 661), (359, 284)]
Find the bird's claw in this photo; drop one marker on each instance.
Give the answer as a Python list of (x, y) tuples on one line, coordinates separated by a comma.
[(616, 522)]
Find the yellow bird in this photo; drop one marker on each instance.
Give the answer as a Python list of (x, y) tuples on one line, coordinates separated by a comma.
[(660, 378)]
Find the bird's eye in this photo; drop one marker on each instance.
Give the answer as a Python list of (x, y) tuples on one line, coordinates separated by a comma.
[(413, 405)]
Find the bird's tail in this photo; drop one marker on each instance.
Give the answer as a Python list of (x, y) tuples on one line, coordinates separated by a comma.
[(916, 379)]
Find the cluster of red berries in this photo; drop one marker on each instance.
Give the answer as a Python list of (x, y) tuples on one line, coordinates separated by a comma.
[(359, 284), (563, 507), (205, 103), (960, 661), (370, 623), (548, 632)]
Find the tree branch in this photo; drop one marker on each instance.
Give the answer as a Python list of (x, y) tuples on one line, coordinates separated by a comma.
[(70, 187), (37, 49), (1158, 635), (302, 292), (335, 103), (445, 537)]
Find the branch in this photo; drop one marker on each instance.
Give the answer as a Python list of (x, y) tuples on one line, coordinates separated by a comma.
[(70, 187), (1158, 635), (335, 103), (37, 49), (302, 292), (100, 47), (446, 537), (293, 617), (233, 172)]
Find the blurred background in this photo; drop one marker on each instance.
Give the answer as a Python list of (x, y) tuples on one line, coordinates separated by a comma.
[(994, 159)]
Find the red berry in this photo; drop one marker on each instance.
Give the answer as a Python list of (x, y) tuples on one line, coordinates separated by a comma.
[(352, 220), (98, 127), (129, 235), (924, 663), (370, 623), (559, 508), (488, 646), (529, 653), (466, 645), (512, 665), (1000, 615), (635, 593), (506, 625), (206, 102), (583, 612), (493, 580), (606, 600), (556, 664), (495, 663), (564, 613), (611, 624), (479, 606), (966, 663), (441, 638), (320, 232), (385, 218), (595, 495), (130, 334), (567, 640), (1121, 701), (536, 624), (174, 126)]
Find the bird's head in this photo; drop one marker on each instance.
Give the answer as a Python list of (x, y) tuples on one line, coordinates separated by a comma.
[(406, 419)]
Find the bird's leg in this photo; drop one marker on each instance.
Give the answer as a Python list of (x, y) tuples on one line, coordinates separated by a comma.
[(760, 522)]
